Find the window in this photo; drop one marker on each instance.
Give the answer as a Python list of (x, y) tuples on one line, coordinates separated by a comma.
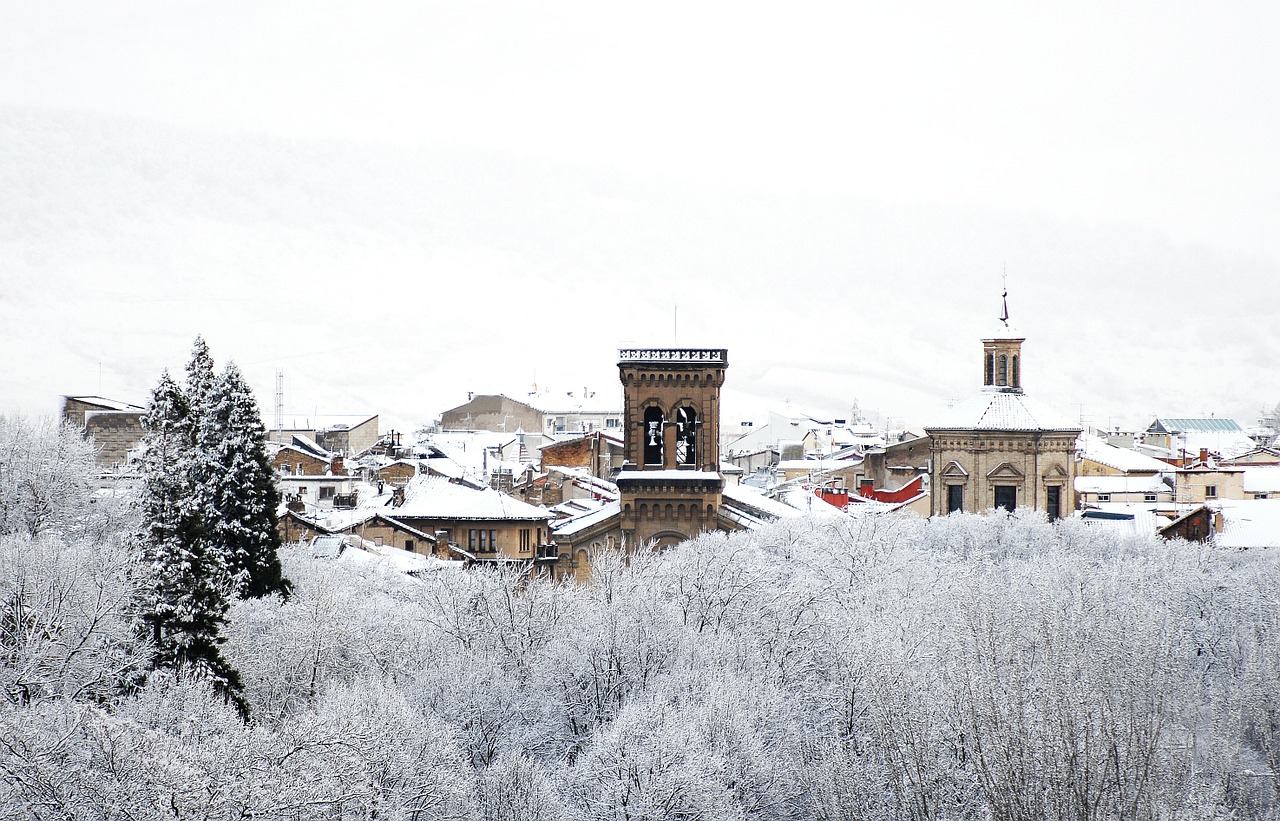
[(1259, 495), (1149, 497), (298, 470), (991, 369), (493, 540), (1006, 497), (613, 422), (484, 543), (1052, 497), (1002, 374), (327, 491), (526, 539), (408, 545), (1015, 379), (1104, 497), (653, 436), (471, 540), (955, 498), (1210, 491), (686, 436)]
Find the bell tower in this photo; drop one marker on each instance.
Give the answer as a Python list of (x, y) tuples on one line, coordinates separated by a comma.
[(670, 485), (1002, 355)]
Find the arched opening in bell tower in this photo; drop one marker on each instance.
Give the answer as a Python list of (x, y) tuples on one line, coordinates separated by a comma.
[(653, 420), (686, 436)]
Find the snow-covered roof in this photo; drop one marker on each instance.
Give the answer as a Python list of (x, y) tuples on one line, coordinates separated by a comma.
[(656, 475), (577, 524), (108, 404), (306, 443), (1262, 479), (818, 465), (758, 503), (1216, 434), (1003, 331), (1128, 520), (1097, 449), (434, 497), (1121, 484), (1249, 523), (1002, 410), (330, 421), (586, 480)]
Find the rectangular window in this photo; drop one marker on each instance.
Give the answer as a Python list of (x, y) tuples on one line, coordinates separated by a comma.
[(493, 540), (408, 545), (484, 544), (327, 491), (471, 540), (1104, 497), (955, 498), (1006, 497), (1053, 502), (613, 422), (299, 470), (1259, 495), (1210, 491), (1149, 497)]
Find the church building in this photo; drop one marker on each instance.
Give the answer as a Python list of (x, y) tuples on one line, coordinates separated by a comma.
[(1001, 448)]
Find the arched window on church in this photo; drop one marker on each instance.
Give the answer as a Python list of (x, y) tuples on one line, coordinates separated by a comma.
[(991, 369), (1017, 380), (653, 436), (1002, 375), (686, 436)]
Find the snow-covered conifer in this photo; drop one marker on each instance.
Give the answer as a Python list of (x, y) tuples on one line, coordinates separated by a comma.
[(182, 599), (237, 488)]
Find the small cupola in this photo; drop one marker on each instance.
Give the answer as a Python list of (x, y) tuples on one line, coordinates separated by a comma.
[(1002, 355)]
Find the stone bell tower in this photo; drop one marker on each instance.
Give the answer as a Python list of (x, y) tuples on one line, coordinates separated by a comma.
[(1002, 355), (670, 485)]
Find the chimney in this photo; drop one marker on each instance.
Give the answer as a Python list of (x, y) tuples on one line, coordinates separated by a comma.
[(338, 468), (1204, 456), (397, 496)]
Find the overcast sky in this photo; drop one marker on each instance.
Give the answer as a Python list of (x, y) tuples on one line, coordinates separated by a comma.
[(395, 203)]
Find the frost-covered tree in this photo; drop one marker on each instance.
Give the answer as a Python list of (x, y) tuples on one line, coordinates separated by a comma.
[(45, 468), (236, 486), (182, 594), (65, 631)]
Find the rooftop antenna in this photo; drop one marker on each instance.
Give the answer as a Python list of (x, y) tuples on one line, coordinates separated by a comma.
[(279, 400)]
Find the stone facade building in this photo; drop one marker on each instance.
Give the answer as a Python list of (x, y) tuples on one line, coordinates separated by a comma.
[(115, 427), (1001, 448)]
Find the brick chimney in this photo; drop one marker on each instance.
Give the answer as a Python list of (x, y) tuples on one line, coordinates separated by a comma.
[(337, 467)]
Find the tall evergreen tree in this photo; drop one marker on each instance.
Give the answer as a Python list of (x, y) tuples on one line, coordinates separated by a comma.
[(182, 599), (239, 487), (200, 378)]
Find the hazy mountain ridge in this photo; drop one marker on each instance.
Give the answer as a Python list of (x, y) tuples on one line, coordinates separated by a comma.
[(379, 277)]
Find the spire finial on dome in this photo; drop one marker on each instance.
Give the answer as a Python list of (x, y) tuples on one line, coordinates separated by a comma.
[(1004, 297)]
